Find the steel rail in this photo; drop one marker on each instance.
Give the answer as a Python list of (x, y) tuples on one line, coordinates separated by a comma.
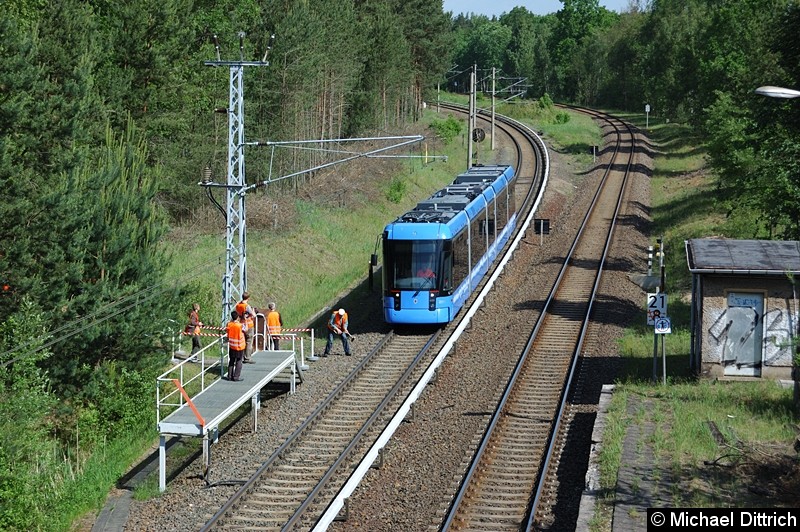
[(502, 408), (533, 198), (312, 418), (360, 434), (249, 486), (540, 485)]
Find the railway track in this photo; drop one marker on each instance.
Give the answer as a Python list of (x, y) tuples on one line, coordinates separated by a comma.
[(278, 494), (502, 487), (295, 485), (413, 490)]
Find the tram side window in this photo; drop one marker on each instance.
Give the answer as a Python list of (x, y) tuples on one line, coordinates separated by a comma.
[(491, 224), (447, 270), (502, 210), (512, 204), (478, 244), (460, 258)]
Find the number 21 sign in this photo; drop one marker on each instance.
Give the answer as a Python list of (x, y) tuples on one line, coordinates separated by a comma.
[(656, 307)]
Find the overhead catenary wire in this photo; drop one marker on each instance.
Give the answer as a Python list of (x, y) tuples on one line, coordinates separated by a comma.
[(63, 336), (101, 315)]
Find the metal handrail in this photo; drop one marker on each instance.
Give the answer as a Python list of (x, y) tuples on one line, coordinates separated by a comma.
[(167, 400)]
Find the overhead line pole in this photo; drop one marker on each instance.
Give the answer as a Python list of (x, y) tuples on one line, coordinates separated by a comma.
[(234, 282), (493, 87), (472, 112)]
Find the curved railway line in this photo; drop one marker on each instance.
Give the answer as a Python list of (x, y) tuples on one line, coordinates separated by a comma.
[(502, 487), (301, 478), (395, 445), (452, 419)]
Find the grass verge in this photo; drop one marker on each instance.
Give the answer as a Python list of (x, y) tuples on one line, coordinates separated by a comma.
[(716, 443), (98, 475)]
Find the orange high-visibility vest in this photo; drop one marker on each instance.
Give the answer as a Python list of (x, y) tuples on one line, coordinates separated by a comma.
[(235, 336), (194, 323), (241, 306), (274, 322), (338, 321), (250, 326)]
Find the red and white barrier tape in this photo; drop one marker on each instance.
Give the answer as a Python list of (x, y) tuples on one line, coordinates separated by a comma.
[(224, 331)]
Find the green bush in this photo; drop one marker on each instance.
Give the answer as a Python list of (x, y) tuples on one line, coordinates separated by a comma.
[(397, 190), (17, 493), (124, 401), (26, 458), (447, 129), (545, 102), (561, 117)]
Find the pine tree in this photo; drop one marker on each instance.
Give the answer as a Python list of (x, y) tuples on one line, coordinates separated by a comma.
[(48, 125), (109, 276)]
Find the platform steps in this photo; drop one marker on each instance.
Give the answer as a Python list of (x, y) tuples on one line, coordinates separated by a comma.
[(285, 376)]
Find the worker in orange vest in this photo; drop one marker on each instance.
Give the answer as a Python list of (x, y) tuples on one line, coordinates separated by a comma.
[(244, 304), (337, 325), (274, 324), (236, 347), (193, 329), (249, 330), (243, 308)]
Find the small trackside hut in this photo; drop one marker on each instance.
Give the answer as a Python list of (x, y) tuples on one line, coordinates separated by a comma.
[(744, 313)]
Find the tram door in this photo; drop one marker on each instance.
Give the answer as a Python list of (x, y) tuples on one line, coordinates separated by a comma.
[(742, 352)]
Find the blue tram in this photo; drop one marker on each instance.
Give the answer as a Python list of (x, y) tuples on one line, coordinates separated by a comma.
[(436, 254)]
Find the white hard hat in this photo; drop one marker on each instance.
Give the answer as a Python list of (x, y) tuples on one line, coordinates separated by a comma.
[(341, 312)]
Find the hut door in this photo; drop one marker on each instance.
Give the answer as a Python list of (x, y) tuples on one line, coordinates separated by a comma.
[(742, 351)]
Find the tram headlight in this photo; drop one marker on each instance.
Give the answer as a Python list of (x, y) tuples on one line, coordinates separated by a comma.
[(396, 299)]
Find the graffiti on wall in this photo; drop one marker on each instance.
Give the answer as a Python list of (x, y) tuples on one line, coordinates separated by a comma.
[(733, 328)]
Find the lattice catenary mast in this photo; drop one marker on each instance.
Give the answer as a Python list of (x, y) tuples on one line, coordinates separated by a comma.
[(234, 283)]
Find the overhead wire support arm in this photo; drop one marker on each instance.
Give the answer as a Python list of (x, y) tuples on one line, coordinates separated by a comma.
[(409, 138), (516, 95), (234, 282), (235, 63), (519, 83), (349, 154)]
